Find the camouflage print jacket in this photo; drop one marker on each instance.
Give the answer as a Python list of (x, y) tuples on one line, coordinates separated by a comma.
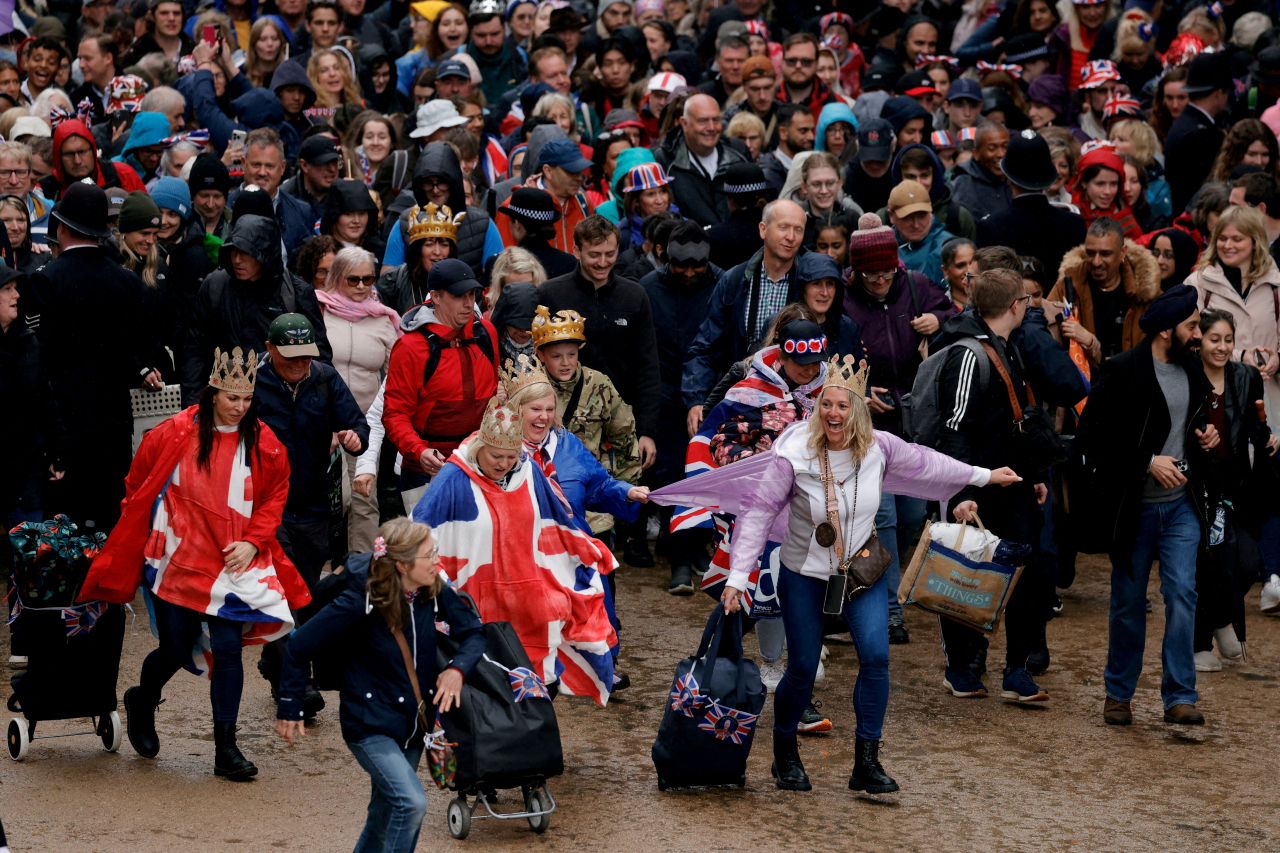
[(603, 422)]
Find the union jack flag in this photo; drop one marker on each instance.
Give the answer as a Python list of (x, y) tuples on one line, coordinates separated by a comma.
[(82, 618), (442, 627), (728, 723), (526, 684), (684, 696)]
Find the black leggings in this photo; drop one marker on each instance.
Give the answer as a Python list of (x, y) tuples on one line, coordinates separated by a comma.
[(179, 628)]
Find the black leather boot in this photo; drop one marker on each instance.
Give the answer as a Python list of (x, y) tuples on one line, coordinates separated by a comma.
[(868, 775), (787, 769), (227, 759), (140, 722)]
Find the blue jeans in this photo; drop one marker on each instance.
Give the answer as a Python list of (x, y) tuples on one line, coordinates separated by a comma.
[(868, 622), (897, 521), (398, 802), (179, 628), (1170, 532)]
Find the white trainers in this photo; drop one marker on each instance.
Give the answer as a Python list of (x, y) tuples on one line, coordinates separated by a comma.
[(1228, 646), (826, 653), (1271, 596), (821, 674), (771, 672), (1208, 662)]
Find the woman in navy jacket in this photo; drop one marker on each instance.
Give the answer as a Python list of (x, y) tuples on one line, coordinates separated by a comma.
[(395, 590)]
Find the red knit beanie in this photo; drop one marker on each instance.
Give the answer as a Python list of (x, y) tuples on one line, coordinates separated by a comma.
[(873, 247)]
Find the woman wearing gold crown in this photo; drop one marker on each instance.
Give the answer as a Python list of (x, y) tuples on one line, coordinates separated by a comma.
[(574, 473), (829, 474), (487, 506), (203, 499), (433, 236)]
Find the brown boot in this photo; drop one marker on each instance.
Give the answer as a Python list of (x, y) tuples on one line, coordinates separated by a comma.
[(1184, 714), (1117, 713)]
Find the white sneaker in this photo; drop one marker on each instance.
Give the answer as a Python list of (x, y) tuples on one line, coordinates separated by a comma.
[(771, 672), (17, 661), (821, 674), (826, 653), (1271, 595), (1208, 662), (1228, 645)]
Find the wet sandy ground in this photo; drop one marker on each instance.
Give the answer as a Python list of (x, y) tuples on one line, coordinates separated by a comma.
[(975, 774)]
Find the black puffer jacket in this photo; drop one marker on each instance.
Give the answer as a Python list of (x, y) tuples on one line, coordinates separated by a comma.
[(231, 313), (438, 160), (31, 432)]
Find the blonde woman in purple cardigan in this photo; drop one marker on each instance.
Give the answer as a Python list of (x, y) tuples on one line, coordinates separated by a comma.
[(861, 462)]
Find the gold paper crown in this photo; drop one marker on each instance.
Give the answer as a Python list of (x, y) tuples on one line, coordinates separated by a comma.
[(522, 373), (565, 326), (502, 428), (234, 372), (848, 374), (433, 221)]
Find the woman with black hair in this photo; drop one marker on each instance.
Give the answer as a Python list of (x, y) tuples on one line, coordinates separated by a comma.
[(1176, 254), (351, 217), (433, 236), (204, 496)]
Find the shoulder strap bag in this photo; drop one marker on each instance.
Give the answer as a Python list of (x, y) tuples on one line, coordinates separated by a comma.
[(863, 567), (1037, 445)]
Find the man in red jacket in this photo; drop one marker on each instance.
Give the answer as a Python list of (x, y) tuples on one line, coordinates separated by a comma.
[(75, 157), (443, 371)]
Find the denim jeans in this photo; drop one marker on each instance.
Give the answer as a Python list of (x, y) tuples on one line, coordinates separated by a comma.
[(866, 617), (1171, 533), (398, 802), (897, 521), (179, 628)]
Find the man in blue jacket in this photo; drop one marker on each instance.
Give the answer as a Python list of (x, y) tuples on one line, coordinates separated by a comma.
[(310, 409), (264, 166), (741, 305)]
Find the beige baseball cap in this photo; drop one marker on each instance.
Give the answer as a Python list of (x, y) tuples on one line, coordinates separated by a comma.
[(909, 197)]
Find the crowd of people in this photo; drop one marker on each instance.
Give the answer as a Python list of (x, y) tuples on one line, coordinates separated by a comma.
[(505, 268)]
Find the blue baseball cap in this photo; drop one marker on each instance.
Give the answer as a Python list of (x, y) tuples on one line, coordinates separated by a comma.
[(452, 275), (875, 140), (965, 88), (565, 153), (452, 68)]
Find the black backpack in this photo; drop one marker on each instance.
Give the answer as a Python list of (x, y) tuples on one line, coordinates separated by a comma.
[(438, 344)]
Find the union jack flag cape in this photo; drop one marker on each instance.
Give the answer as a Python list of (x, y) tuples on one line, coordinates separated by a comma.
[(752, 415), (533, 568)]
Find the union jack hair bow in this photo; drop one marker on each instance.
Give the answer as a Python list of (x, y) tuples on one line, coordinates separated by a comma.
[(988, 67), (379, 547), (928, 59), (198, 138), (1148, 32), (57, 115)]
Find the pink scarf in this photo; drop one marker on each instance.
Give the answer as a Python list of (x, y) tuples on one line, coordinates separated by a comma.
[(345, 308)]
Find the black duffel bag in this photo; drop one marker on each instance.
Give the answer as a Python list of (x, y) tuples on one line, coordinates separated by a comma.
[(712, 711), (501, 743)]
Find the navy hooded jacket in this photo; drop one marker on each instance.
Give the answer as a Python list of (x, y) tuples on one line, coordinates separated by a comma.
[(377, 696)]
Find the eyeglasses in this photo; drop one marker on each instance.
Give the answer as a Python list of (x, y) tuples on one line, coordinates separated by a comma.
[(1166, 254), (1024, 299), (801, 61), (366, 280), (14, 173), (879, 276)]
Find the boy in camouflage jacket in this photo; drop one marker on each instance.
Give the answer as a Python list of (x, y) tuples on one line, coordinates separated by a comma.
[(600, 419)]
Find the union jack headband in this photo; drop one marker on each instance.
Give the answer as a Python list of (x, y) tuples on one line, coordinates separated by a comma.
[(802, 346), (928, 59), (198, 138), (989, 67)]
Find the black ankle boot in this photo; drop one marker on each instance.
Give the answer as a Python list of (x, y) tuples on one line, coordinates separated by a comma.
[(140, 722), (868, 775), (787, 769), (227, 759)]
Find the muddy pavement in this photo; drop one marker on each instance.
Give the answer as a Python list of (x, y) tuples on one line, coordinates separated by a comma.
[(975, 774)]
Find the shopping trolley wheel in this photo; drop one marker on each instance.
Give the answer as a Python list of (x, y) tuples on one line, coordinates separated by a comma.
[(19, 739), (537, 801), (111, 732), (459, 816)]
